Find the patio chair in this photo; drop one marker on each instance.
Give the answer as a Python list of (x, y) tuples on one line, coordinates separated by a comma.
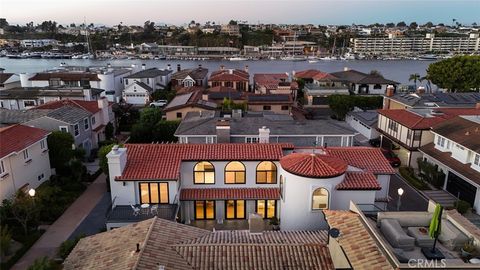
[(154, 209), (136, 210)]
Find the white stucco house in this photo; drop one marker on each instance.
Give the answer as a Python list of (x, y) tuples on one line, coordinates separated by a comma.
[(364, 122), (137, 93), (24, 161), (203, 184)]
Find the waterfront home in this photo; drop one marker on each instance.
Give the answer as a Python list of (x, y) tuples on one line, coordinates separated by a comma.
[(323, 85), (8, 80), (24, 160), (365, 122), (274, 83), (405, 131), (250, 127), (277, 103), (181, 104), (364, 84), (307, 75), (155, 78), (420, 100), (137, 93), (207, 185), (190, 77), (234, 78), (38, 43), (22, 98), (60, 78), (455, 150)]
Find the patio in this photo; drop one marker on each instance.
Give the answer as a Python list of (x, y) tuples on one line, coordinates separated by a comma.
[(125, 213), (227, 224)]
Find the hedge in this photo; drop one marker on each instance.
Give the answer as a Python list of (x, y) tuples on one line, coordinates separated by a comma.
[(408, 174)]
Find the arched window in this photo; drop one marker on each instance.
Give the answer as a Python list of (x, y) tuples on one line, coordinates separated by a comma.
[(266, 173), (320, 199), (204, 173), (235, 173)]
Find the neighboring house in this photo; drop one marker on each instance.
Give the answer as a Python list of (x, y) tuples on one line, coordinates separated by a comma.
[(234, 78), (164, 244), (361, 83), (27, 98), (456, 151), (61, 78), (307, 75), (215, 183), (277, 103), (155, 78), (365, 122), (101, 115), (323, 85), (137, 93), (24, 161), (231, 30), (405, 131), (274, 84), (431, 100), (8, 80), (190, 77), (248, 127), (68, 119), (180, 105)]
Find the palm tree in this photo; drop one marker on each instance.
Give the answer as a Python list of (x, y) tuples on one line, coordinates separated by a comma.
[(426, 78), (414, 77)]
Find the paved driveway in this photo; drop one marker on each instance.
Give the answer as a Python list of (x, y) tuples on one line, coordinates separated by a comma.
[(411, 200)]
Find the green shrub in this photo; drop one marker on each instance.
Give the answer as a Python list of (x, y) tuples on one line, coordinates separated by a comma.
[(27, 243), (408, 174), (430, 173), (67, 246), (462, 206), (342, 104), (5, 240), (43, 263)]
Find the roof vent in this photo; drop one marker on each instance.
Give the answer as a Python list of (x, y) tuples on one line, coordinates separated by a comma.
[(138, 247), (467, 133)]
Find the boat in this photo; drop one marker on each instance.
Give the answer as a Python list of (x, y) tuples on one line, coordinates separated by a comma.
[(427, 57), (237, 58), (328, 58), (348, 56), (15, 56), (312, 61), (293, 58)]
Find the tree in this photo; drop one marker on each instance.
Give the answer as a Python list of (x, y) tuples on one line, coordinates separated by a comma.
[(342, 104), (102, 157), (428, 25), (109, 129), (457, 74), (60, 148), (414, 77), (413, 25), (375, 72), (3, 23), (5, 240), (232, 22), (401, 24), (390, 25), (23, 210)]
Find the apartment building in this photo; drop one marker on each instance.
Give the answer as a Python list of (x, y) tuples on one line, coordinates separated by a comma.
[(24, 160)]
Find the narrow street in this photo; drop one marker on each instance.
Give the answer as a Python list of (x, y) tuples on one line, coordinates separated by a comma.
[(411, 199)]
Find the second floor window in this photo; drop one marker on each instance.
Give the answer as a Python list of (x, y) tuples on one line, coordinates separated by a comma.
[(154, 193), (42, 144), (441, 141), (2, 167), (320, 199), (204, 173), (393, 125), (85, 123), (93, 120), (251, 139), (25, 154), (76, 130), (266, 173), (235, 173), (476, 160)]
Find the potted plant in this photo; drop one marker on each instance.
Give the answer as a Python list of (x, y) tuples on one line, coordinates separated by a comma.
[(468, 248), (275, 223)]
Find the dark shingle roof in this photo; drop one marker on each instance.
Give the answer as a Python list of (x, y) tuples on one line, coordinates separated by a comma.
[(196, 74), (149, 73), (438, 99), (20, 116), (5, 76), (356, 76), (269, 98), (462, 130), (69, 114), (34, 92), (367, 117)]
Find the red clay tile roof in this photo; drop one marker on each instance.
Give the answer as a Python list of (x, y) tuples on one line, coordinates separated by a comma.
[(224, 75), (90, 106), (18, 137), (65, 76), (162, 161), (269, 80), (366, 158), (360, 248), (359, 181), (308, 74), (413, 120), (313, 165), (191, 194)]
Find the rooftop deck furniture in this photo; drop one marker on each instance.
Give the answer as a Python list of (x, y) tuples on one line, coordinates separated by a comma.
[(422, 239), (451, 237), (395, 235), (136, 210)]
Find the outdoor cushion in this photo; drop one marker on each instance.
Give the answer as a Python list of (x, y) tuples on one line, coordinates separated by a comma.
[(395, 235), (451, 237), (407, 218), (422, 239)]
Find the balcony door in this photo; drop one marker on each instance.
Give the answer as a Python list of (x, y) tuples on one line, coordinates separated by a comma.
[(204, 210), (153, 193)]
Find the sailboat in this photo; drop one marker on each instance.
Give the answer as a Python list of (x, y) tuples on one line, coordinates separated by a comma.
[(293, 57), (89, 54)]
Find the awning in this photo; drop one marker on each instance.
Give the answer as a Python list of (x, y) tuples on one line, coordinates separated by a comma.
[(191, 194)]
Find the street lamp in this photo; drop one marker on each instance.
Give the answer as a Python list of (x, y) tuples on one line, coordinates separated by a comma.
[(31, 192), (399, 202)]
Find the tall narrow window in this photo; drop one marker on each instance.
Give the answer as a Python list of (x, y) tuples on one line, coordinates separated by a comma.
[(85, 124), (25, 154), (266, 208), (235, 209), (204, 173), (76, 130), (204, 209), (154, 193), (235, 173), (42, 144), (2, 167), (320, 199), (266, 173)]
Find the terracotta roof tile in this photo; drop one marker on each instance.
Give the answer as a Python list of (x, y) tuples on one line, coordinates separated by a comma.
[(162, 161), (359, 247), (359, 181), (366, 158), (229, 75), (308, 74), (18, 137), (313, 165), (189, 194)]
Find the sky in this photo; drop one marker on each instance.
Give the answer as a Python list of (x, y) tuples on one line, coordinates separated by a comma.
[(136, 12)]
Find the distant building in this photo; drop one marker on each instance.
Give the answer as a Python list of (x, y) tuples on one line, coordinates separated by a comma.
[(182, 104), (24, 160), (274, 84), (277, 103), (364, 84), (155, 78), (231, 30), (250, 127), (9, 80), (37, 43)]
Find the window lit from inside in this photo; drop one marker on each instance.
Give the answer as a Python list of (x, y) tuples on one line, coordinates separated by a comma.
[(153, 193), (266, 173), (266, 208), (204, 173), (235, 209), (320, 199), (204, 209), (235, 173)]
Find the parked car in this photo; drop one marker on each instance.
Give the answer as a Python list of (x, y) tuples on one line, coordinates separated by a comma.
[(391, 157), (158, 103), (375, 142)]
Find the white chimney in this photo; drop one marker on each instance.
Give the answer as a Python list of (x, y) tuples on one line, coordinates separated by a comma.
[(346, 69), (144, 66), (230, 71), (264, 135), (117, 159)]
